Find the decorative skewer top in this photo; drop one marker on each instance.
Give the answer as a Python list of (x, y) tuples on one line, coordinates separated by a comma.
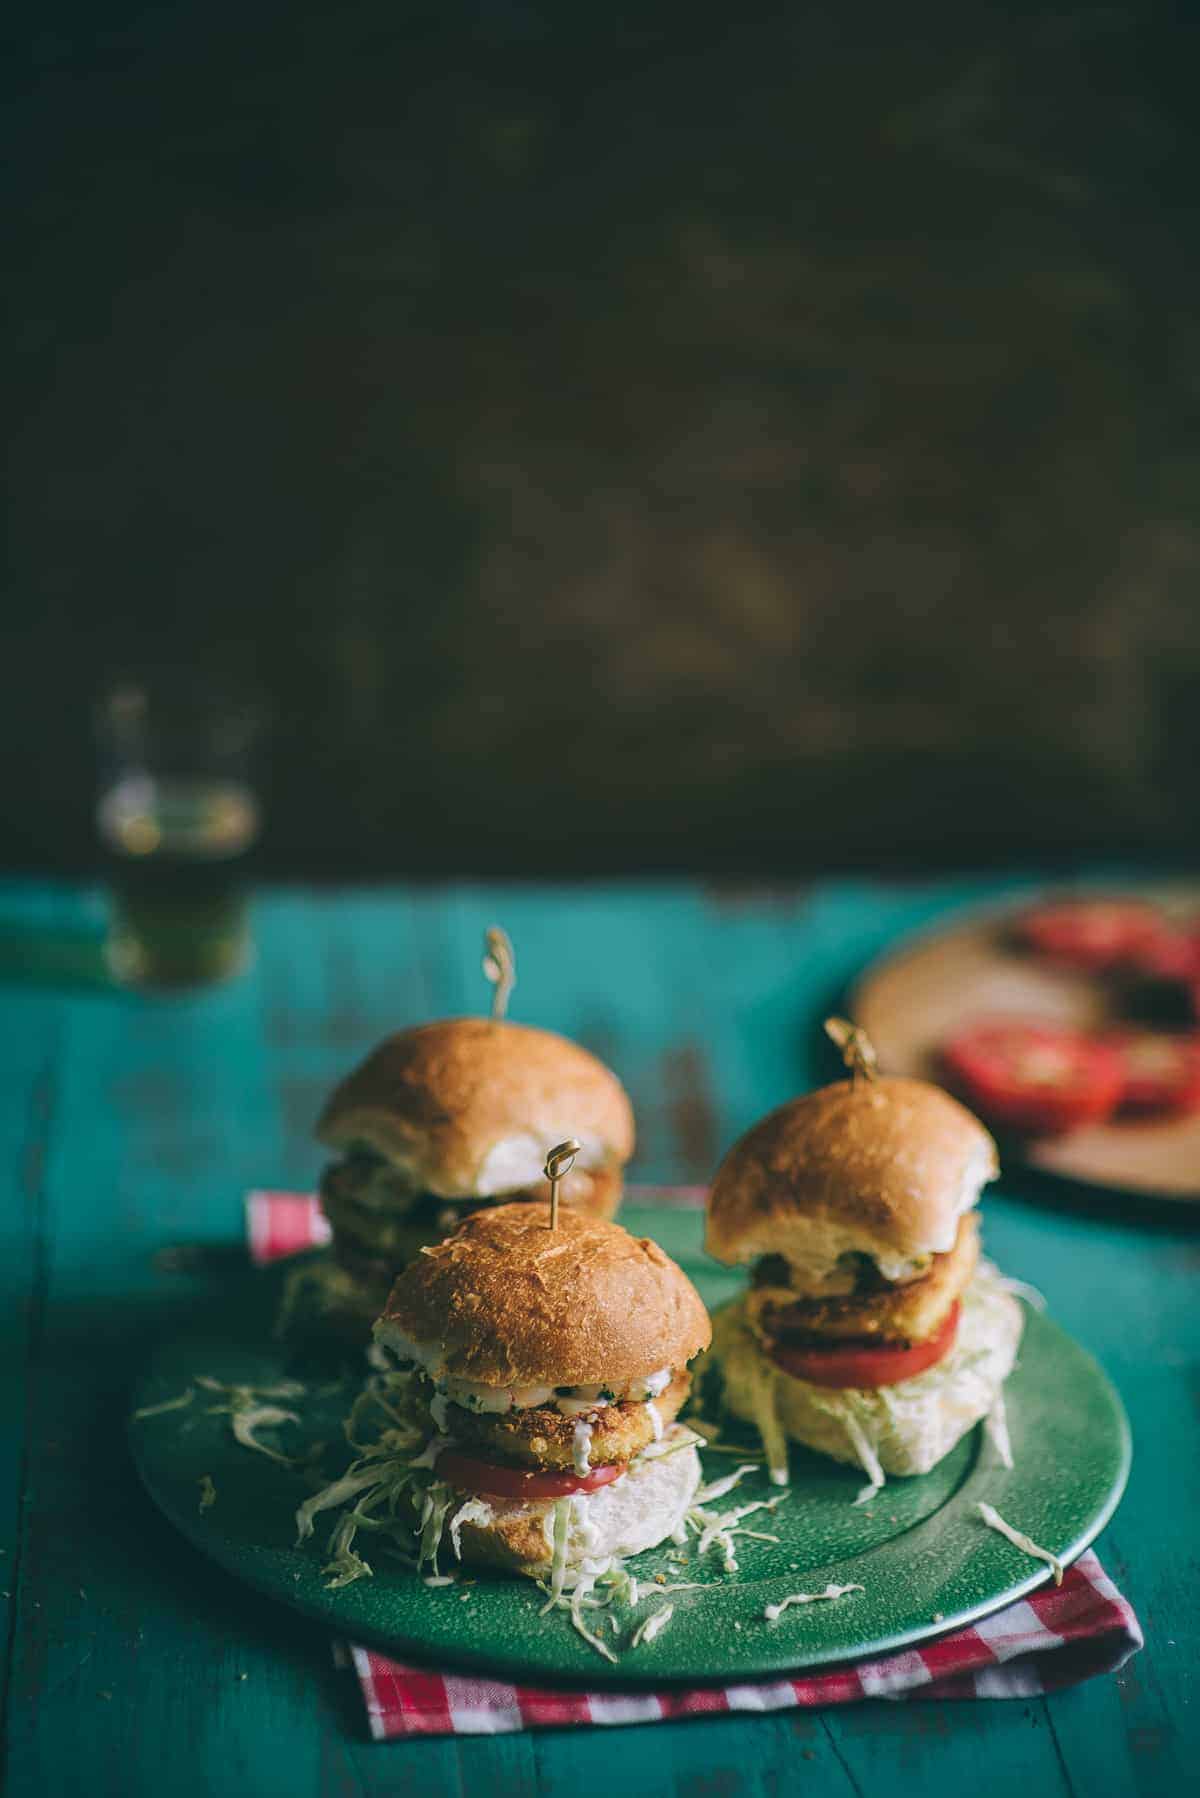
[(500, 967), (856, 1047), (559, 1161)]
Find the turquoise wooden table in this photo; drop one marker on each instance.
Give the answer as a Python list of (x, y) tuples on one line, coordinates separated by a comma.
[(132, 1124)]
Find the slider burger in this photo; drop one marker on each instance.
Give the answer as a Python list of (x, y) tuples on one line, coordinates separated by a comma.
[(554, 1362), (438, 1121), (871, 1330)]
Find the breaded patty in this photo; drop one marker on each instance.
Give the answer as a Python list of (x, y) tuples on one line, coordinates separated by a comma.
[(900, 1314), (543, 1437)]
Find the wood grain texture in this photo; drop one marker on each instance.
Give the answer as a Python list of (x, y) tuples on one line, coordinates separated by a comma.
[(128, 1649)]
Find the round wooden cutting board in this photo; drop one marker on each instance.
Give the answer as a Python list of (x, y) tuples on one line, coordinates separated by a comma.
[(913, 1000)]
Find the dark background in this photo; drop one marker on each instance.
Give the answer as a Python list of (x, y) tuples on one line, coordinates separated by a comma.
[(615, 438)]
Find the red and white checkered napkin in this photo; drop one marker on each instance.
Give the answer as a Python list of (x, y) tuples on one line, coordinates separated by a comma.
[(1057, 1637)]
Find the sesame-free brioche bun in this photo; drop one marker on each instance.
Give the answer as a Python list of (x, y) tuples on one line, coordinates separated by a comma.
[(470, 1107), (883, 1167), (638, 1511), (506, 1301)]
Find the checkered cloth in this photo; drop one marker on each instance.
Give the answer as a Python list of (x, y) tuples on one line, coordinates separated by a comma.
[(1057, 1637)]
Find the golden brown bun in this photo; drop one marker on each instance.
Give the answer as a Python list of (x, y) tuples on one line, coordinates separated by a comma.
[(507, 1301), (468, 1108), (881, 1167)]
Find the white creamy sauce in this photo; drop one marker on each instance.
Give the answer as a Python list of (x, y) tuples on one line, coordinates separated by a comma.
[(588, 1534), (581, 1448), (475, 1395)]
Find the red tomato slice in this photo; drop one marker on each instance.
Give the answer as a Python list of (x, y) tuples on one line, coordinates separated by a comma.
[(1170, 954), (854, 1365), (1034, 1078), (1161, 1073), (1090, 933), (471, 1475)]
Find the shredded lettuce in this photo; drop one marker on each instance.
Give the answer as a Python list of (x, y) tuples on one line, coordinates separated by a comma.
[(359, 1479), (249, 1394), (247, 1412), (560, 1531), (867, 1456), (1021, 1289), (344, 1566), (996, 1427), (719, 1488), (770, 1427), (578, 1600), (168, 1404), (722, 1529), (208, 1492), (652, 1625), (1019, 1540), (773, 1612), (475, 1510), (249, 1418), (658, 1451), (437, 1501)]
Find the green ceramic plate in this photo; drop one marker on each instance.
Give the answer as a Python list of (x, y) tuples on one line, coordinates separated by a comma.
[(925, 1560)]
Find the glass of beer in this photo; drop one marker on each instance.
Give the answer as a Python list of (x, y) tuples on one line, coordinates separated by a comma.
[(177, 817)]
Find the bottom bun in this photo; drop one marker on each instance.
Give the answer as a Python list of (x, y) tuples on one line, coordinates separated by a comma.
[(908, 1428), (641, 1509)]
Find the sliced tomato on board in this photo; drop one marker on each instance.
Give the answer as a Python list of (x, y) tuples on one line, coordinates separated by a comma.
[(1034, 1078), (472, 1475), (1161, 1073), (1091, 933), (1170, 954), (868, 1364)]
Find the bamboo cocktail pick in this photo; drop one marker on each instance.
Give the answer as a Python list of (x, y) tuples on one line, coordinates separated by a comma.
[(500, 967), (559, 1161), (857, 1049)]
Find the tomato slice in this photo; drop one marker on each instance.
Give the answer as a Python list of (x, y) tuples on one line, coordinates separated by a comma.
[(856, 1365), (472, 1475), (1032, 1077), (1170, 954), (1161, 1073), (1091, 933)]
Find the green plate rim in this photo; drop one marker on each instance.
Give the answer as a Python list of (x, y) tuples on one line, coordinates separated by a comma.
[(988, 1573)]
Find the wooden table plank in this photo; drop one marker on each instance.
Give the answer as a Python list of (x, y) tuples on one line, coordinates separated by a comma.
[(29, 1049), (707, 1002), (129, 1649)]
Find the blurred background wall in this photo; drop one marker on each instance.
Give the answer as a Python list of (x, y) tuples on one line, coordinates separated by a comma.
[(615, 437)]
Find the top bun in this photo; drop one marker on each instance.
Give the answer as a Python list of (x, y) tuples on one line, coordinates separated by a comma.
[(470, 1107), (883, 1167), (507, 1301)]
